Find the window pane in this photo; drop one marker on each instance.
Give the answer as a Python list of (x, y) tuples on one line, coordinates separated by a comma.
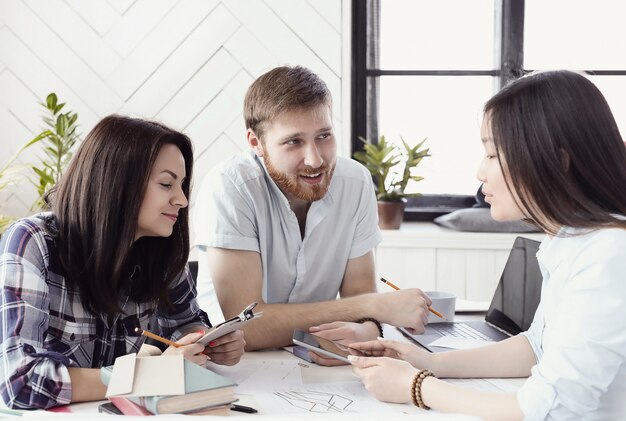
[(443, 34), (574, 34), (613, 88), (447, 110)]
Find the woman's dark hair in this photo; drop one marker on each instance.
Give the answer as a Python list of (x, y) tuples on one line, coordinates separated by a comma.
[(562, 149), (96, 204)]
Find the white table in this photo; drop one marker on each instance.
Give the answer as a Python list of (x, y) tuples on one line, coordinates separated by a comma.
[(314, 373)]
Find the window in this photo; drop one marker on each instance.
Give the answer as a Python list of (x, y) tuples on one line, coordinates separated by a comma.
[(424, 68)]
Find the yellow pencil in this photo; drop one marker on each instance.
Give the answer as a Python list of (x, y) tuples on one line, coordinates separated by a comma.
[(156, 337), (392, 285)]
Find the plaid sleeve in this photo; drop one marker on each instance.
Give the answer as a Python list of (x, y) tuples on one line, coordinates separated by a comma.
[(30, 375), (184, 310)]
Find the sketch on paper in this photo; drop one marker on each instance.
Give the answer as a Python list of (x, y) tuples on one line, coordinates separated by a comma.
[(318, 402)]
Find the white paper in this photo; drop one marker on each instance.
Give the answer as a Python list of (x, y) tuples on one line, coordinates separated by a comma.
[(454, 342), (283, 386), (324, 398), (147, 376), (255, 373), (122, 377)]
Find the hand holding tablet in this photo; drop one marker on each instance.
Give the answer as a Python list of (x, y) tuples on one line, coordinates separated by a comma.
[(321, 346), (230, 325)]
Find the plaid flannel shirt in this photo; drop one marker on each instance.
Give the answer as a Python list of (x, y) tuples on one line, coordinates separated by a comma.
[(45, 328)]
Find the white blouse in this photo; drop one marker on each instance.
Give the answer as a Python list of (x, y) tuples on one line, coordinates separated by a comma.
[(578, 334)]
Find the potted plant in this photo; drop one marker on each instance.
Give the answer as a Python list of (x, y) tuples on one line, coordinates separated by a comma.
[(381, 160)]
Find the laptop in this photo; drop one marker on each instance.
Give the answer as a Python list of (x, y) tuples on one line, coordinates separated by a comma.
[(512, 307)]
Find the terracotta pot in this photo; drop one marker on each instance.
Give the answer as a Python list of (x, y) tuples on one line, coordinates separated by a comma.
[(390, 214)]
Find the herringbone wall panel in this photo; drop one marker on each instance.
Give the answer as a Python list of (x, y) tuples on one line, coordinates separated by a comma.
[(186, 63)]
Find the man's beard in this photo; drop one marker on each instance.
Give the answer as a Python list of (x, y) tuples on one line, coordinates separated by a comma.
[(291, 184)]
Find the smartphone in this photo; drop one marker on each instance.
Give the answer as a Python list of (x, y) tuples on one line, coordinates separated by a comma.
[(320, 345), (222, 329), (230, 325)]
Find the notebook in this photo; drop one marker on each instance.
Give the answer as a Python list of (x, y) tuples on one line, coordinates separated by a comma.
[(201, 387), (512, 307)]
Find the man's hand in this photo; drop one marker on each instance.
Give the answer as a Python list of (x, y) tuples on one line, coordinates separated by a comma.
[(404, 308), (343, 333), (346, 333)]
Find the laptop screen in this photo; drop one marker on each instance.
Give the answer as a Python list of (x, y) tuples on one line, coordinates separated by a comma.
[(516, 299)]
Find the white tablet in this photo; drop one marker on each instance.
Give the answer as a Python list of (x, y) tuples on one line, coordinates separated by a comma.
[(320, 345)]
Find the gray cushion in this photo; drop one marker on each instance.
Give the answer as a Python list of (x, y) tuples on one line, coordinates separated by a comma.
[(480, 220)]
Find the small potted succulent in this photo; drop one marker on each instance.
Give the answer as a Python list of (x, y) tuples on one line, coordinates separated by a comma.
[(381, 159)]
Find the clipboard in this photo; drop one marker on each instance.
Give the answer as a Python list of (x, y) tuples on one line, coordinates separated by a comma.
[(230, 325)]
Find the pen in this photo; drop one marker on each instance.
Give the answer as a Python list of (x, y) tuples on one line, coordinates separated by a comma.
[(241, 408), (392, 285), (156, 337)]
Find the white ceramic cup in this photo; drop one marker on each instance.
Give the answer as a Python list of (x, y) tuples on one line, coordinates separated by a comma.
[(444, 303)]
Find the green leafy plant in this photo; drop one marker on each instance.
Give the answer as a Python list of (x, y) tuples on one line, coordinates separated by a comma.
[(59, 137), (10, 174), (383, 157)]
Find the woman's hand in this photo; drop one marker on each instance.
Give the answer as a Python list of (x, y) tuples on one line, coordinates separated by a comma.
[(414, 355), (226, 350), (387, 379), (191, 350)]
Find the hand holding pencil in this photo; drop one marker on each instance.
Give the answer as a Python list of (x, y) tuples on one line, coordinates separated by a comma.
[(432, 310), (186, 346)]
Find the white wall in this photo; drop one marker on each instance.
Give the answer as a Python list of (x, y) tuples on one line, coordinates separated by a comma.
[(186, 63)]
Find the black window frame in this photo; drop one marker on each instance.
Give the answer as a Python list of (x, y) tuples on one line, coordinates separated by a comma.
[(509, 59)]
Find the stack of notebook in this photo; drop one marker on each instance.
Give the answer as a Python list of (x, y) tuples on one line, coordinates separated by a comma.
[(205, 392)]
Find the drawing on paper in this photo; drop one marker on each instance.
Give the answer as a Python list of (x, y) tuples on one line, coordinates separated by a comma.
[(318, 402)]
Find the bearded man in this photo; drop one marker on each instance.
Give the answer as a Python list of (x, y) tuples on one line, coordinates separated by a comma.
[(290, 225)]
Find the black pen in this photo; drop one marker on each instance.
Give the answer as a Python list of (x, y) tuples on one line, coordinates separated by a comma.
[(241, 408)]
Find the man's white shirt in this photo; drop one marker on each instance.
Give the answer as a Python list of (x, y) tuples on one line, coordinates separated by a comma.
[(240, 207)]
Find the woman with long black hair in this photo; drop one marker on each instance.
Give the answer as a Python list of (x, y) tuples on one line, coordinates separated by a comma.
[(554, 156), (112, 253)]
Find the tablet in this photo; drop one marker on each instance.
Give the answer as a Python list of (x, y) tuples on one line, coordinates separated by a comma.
[(230, 325), (320, 345)]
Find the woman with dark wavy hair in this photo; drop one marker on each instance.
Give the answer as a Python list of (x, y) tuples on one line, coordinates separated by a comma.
[(110, 255), (554, 156)]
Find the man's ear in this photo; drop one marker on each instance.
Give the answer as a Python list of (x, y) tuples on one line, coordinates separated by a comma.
[(255, 143)]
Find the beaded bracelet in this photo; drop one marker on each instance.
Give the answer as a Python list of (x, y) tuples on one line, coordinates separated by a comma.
[(413, 391), (416, 388), (376, 322)]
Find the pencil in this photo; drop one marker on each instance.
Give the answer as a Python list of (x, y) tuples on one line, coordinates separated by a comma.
[(156, 337), (392, 285)]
